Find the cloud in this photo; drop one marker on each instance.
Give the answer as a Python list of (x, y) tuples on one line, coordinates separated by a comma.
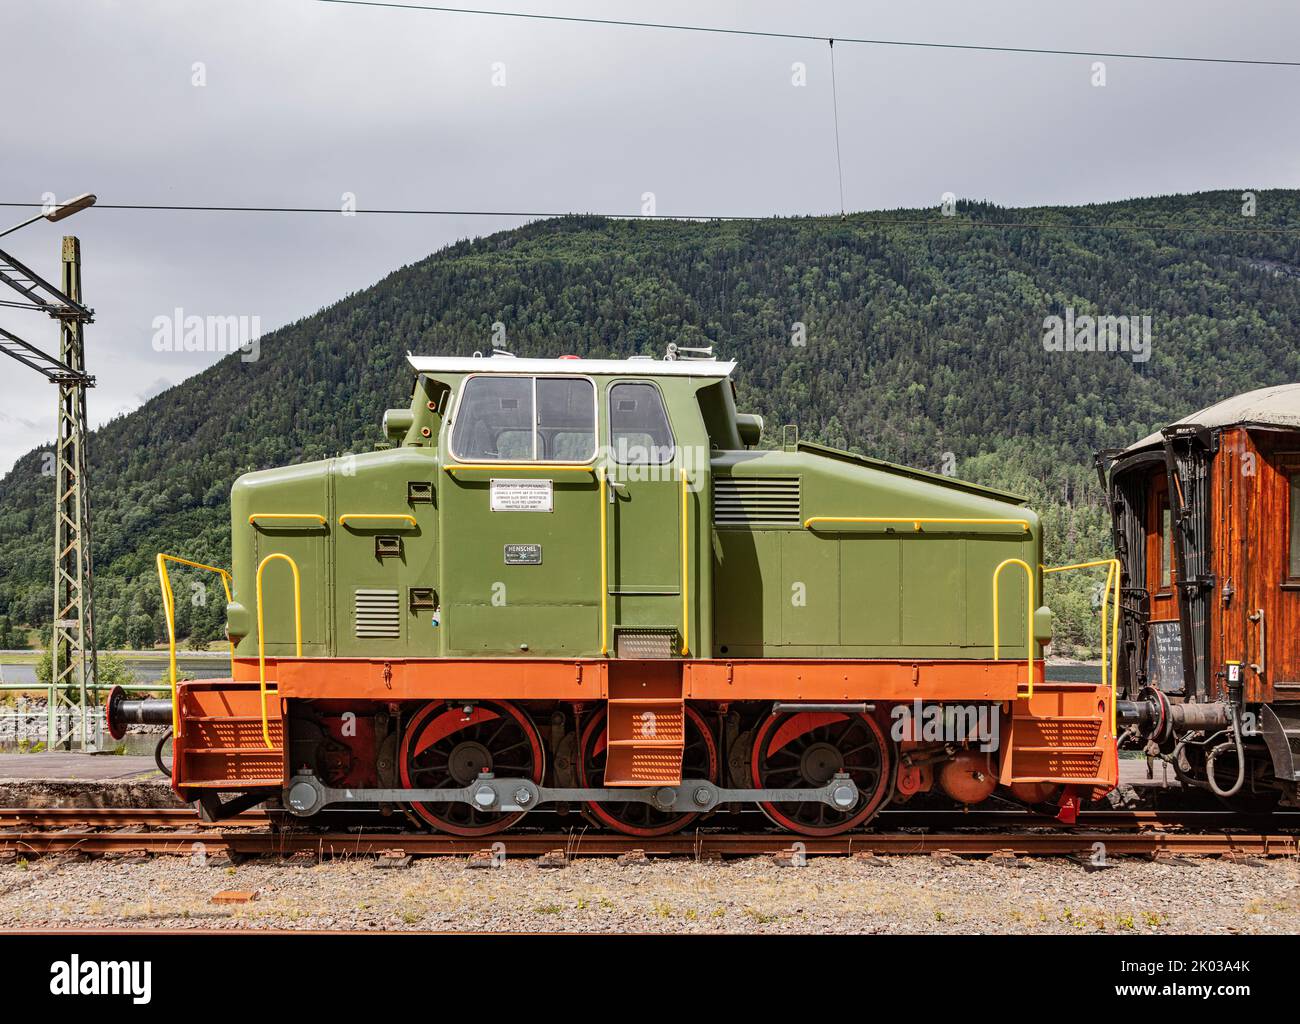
[(19, 421), (156, 388)]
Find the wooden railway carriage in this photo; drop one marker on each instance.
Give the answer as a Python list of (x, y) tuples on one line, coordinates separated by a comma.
[(583, 584), (1207, 529)]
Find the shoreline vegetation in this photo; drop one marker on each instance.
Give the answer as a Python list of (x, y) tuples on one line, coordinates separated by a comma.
[(33, 656)]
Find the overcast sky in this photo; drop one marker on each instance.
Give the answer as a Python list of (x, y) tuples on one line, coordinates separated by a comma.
[(304, 101)]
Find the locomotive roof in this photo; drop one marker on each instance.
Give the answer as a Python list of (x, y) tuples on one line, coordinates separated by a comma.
[(642, 366), (1277, 406)]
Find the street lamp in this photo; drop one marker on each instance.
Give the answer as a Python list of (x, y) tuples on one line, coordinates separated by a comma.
[(74, 205)]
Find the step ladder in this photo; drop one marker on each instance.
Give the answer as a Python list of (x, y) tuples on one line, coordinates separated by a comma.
[(220, 744), (646, 725), (1060, 734)]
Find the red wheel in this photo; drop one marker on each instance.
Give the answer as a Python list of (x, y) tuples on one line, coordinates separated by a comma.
[(699, 761), (803, 749), (446, 747)]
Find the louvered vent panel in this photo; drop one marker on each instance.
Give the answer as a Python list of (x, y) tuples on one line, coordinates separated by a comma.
[(377, 614), (754, 501)]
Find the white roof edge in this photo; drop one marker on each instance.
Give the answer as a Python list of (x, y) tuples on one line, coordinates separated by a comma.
[(633, 367)]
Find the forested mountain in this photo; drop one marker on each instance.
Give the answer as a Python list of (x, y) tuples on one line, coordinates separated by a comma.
[(922, 343)]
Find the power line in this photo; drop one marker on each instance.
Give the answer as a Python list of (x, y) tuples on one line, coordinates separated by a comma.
[(835, 106), (337, 211), (756, 33), (936, 221)]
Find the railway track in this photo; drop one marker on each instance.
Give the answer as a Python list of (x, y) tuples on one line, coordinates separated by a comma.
[(177, 831), (171, 817)]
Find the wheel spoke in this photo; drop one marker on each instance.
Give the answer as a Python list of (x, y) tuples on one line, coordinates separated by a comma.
[(854, 745), (699, 760), (508, 740)]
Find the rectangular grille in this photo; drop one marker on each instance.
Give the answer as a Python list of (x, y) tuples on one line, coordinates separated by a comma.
[(644, 644), (756, 501), (1047, 733), (377, 614)]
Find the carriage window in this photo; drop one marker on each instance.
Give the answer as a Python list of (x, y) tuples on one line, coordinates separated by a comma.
[(1166, 547), (512, 419), (638, 425), (1159, 543), (1293, 568)]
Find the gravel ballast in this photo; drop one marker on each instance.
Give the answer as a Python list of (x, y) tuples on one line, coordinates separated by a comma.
[(826, 895)]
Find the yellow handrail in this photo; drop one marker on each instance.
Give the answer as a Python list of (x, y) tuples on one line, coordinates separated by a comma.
[(169, 607), (686, 597), (343, 519), (513, 467), (252, 520), (1111, 643), (261, 632), (1029, 618), (916, 521), (604, 570)]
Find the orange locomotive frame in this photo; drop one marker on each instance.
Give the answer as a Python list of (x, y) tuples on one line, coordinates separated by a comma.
[(220, 747)]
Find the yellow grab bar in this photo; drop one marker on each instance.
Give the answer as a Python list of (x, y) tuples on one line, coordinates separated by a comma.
[(510, 467), (261, 632), (1029, 617), (169, 607), (1110, 644), (916, 521), (256, 516), (686, 582), (344, 519), (604, 569)]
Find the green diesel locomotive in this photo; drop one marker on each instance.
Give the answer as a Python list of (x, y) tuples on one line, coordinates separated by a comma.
[(586, 585)]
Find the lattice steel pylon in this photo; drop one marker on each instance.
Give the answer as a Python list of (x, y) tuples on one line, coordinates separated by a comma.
[(73, 667), (71, 718)]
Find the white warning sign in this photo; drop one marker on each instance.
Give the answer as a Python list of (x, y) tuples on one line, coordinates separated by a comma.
[(522, 496)]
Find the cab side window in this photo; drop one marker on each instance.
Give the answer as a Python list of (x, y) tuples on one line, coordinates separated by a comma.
[(525, 419), (639, 433), (566, 419)]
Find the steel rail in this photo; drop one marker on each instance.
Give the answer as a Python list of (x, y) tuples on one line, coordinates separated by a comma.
[(243, 842), (942, 820), (115, 817)]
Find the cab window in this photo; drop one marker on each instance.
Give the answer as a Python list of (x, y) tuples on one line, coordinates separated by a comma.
[(525, 419), (639, 433), (566, 419)]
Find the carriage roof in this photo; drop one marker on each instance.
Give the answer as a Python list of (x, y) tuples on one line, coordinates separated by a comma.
[(1277, 406)]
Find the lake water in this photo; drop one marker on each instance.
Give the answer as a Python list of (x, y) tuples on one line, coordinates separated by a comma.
[(1074, 673), (147, 670)]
